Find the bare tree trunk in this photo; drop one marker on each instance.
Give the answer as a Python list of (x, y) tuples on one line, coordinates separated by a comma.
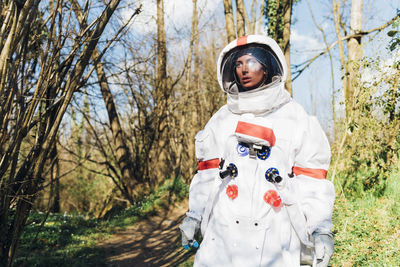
[(251, 23), (55, 182), (122, 153), (337, 20), (287, 22), (229, 23), (196, 118), (191, 44), (355, 52), (240, 18), (183, 114), (161, 74), (192, 86), (161, 52), (161, 91)]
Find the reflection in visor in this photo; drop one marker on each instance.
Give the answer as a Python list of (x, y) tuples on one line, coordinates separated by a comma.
[(251, 64)]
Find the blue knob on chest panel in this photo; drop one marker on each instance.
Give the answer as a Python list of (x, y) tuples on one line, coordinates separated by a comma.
[(272, 175), (242, 149), (264, 152)]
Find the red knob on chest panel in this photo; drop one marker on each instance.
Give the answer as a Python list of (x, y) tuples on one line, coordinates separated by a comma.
[(232, 191), (272, 198)]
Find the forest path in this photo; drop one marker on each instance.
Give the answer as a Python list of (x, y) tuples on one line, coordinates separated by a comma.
[(153, 241)]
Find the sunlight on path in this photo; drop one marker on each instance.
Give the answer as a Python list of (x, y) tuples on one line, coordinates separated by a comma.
[(155, 241)]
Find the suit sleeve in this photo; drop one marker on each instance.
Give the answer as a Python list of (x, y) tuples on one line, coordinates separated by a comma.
[(312, 159), (202, 183)]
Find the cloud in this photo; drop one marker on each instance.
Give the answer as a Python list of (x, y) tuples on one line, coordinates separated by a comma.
[(305, 42), (178, 14), (144, 22)]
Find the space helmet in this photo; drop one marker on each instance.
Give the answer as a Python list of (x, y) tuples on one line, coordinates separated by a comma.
[(264, 50)]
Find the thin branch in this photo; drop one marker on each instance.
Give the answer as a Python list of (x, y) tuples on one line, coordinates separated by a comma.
[(109, 43), (359, 34)]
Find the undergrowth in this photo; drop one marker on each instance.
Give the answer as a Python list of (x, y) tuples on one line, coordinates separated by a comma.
[(71, 240)]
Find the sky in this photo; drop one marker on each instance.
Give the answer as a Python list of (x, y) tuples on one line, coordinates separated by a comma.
[(314, 88)]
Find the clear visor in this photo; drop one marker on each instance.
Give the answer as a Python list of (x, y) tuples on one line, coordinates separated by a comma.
[(262, 54)]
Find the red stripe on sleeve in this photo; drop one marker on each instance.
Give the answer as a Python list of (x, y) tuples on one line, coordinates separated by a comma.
[(208, 164), (241, 41), (256, 131), (314, 173)]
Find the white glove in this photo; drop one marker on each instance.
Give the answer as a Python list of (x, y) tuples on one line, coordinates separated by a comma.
[(323, 248), (189, 227)]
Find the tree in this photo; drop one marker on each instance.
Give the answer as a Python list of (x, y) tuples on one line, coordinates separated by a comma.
[(245, 24), (241, 18), (278, 16), (229, 23), (192, 95), (122, 153), (355, 52), (42, 65)]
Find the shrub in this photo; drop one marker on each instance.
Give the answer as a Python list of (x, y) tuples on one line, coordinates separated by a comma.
[(371, 133)]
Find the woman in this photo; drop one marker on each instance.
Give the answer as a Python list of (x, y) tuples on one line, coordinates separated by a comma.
[(260, 196)]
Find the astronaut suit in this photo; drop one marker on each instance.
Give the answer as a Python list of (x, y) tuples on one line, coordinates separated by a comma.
[(260, 196)]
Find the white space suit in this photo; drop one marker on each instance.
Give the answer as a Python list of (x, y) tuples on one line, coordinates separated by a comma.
[(256, 132)]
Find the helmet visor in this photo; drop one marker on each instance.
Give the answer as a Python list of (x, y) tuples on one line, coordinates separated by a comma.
[(265, 56)]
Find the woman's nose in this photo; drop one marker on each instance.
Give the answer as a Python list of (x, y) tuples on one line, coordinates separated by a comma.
[(245, 68)]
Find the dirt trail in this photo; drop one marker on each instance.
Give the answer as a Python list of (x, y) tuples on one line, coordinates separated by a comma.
[(154, 241)]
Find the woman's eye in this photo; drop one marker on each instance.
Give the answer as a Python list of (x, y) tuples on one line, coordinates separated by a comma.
[(238, 64)]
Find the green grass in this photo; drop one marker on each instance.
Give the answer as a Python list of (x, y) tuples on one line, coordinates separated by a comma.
[(63, 239), (71, 240), (367, 229)]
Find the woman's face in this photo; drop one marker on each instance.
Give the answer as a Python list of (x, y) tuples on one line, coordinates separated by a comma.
[(249, 71)]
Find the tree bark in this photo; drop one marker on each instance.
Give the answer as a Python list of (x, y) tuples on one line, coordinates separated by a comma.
[(287, 22), (196, 118), (355, 52), (161, 51), (240, 18), (229, 23), (337, 21), (55, 181), (191, 46), (161, 94)]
